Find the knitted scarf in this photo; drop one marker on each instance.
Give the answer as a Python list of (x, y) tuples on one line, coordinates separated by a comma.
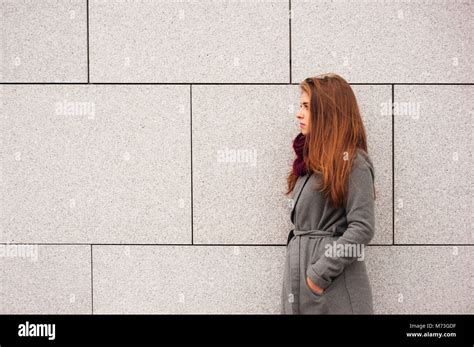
[(299, 167)]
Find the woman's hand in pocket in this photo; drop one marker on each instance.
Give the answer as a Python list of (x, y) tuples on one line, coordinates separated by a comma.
[(315, 288)]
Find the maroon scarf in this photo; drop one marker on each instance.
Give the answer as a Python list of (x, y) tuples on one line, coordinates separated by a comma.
[(299, 167)]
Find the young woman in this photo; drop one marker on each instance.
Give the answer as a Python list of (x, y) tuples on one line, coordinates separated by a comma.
[(333, 197)]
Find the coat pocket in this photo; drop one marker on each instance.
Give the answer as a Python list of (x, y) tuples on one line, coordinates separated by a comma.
[(311, 293), (318, 246)]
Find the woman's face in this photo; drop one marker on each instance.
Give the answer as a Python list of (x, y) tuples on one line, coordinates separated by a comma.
[(303, 114)]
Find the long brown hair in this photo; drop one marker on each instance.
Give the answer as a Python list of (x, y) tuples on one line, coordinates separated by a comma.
[(336, 131)]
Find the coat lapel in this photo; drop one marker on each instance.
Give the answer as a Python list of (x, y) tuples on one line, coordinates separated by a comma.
[(297, 192)]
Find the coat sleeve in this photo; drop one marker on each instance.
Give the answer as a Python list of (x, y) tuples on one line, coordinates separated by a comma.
[(360, 218)]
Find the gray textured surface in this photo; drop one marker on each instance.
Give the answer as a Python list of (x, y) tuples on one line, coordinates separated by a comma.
[(43, 41), (113, 166), (48, 279), (433, 165), (189, 41), (187, 279), (384, 41), (421, 279), (242, 200)]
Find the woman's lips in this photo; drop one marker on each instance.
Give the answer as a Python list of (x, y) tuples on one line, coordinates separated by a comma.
[(302, 125)]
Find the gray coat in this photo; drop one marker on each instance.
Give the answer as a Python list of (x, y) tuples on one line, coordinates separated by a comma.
[(317, 224)]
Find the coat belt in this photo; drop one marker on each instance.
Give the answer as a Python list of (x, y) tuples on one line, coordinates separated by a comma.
[(309, 233), (295, 260)]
